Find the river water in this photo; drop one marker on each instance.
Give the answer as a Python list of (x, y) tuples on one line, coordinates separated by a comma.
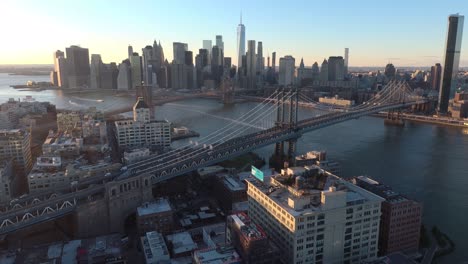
[(425, 162)]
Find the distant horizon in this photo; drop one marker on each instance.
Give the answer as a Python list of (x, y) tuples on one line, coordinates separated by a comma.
[(403, 31), (307, 66)]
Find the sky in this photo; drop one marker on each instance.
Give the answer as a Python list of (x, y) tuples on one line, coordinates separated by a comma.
[(406, 33)]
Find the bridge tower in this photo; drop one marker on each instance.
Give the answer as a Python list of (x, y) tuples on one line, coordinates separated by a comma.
[(279, 148), (293, 112), (290, 123)]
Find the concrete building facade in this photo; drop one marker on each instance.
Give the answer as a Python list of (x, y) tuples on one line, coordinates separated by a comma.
[(400, 222), (316, 217)]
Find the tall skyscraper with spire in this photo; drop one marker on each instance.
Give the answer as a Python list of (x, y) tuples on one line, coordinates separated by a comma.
[(240, 42), (451, 61)]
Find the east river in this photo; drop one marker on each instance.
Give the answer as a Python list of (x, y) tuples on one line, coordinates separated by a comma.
[(426, 162)]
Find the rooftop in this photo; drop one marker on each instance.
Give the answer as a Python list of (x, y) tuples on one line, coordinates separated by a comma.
[(233, 184), (382, 190), (158, 206), (250, 230), (220, 255), (181, 242), (11, 132), (313, 190), (61, 139), (49, 161), (154, 247)]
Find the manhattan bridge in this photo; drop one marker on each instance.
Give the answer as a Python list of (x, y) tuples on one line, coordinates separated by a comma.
[(273, 121)]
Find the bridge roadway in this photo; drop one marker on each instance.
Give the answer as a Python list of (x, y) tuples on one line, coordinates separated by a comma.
[(247, 143), (54, 208), (46, 210)]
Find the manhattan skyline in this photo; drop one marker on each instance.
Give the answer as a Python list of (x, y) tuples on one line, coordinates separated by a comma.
[(314, 31)]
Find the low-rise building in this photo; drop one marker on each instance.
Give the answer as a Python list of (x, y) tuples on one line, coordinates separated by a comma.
[(16, 144), (459, 105), (62, 144), (316, 217), (336, 101), (182, 244), (216, 255), (180, 130), (68, 121), (107, 249), (229, 190), (137, 154), (48, 174), (141, 131), (250, 240), (154, 248), (157, 215), (400, 222)]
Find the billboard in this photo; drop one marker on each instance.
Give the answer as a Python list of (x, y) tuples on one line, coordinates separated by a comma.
[(257, 173)]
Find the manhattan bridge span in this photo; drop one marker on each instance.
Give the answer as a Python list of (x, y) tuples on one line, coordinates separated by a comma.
[(273, 121)]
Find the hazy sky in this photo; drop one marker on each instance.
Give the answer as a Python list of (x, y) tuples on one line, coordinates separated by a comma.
[(405, 32)]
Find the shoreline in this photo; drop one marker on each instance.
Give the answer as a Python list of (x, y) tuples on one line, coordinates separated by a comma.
[(428, 120)]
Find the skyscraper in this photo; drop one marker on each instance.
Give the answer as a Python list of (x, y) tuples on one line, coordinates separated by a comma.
[(109, 74), (135, 63), (124, 79), (130, 51), (451, 61), (217, 56), (147, 53), (324, 71), (286, 70), (240, 43), (203, 58), (179, 50), (96, 67), (188, 58), (178, 76), (251, 64), (220, 42), (346, 59), (78, 66), (217, 63), (436, 72), (336, 68), (207, 44), (390, 71), (273, 61), (260, 59), (315, 71), (61, 68)]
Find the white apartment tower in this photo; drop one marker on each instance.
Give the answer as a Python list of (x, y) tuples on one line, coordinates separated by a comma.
[(316, 217)]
